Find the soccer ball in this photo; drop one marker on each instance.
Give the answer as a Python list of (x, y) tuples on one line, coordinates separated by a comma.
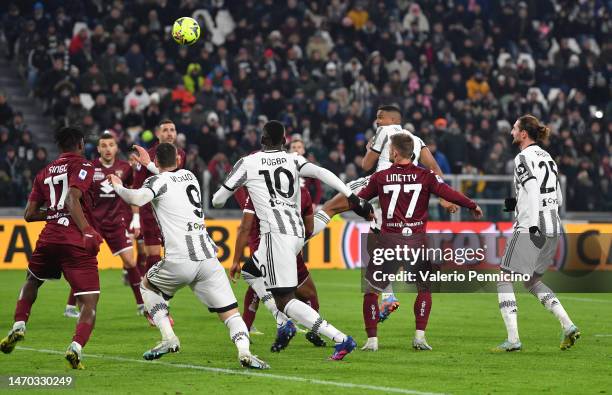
[(185, 31)]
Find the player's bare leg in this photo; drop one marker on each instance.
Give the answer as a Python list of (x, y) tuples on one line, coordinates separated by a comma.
[(239, 334), (307, 293), (27, 297), (133, 275), (549, 300), (306, 316), (85, 325), (157, 307)]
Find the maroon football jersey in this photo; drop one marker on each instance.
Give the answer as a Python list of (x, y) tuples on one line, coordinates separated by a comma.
[(403, 192), (50, 188), (108, 206), (141, 174), (306, 202)]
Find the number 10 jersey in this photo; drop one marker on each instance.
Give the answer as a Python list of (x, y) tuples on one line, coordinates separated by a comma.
[(272, 179)]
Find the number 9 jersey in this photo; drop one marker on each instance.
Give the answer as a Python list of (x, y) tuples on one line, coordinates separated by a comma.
[(177, 205), (534, 164)]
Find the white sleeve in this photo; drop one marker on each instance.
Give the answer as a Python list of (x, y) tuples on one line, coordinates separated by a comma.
[(559, 193), (308, 169), (237, 176), (380, 138), (152, 168), (136, 197), (533, 199), (221, 196)]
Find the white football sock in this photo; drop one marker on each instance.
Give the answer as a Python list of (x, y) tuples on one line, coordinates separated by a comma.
[(238, 333), (158, 310), (259, 286), (321, 219), (419, 334), (508, 309), (19, 325), (308, 317), (549, 300)]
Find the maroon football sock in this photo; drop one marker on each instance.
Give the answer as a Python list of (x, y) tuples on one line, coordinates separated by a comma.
[(133, 275), (422, 308), (71, 298), (251, 302), (22, 310), (152, 260), (370, 313), (83, 331)]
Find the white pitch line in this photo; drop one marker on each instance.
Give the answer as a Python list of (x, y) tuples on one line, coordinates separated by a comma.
[(603, 335), (580, 299), (243, 373)]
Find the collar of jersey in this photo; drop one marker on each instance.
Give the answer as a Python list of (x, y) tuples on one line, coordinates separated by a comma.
[(272, 150), (404, 165)]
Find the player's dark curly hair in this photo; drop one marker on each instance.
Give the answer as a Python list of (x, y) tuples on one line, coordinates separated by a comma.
[(165, 153), (273, 134), (533, 127), (68, 138)]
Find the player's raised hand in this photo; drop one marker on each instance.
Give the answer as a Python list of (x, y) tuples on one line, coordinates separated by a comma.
[(477, 212), (234, 272), (114, 180), (448, 206), (143, 156)]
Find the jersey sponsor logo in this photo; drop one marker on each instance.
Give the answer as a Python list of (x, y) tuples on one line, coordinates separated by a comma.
[(191, 226), (83, 174), (119, 173), (107, 189)]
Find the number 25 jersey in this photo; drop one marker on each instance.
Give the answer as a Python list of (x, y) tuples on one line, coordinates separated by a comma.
[(273, 182), (50, 188), (534, 163)]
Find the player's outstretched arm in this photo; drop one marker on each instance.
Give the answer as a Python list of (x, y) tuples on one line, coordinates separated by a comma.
[(309, 169), (236, 178), (221, 196), (241, 242), (144, 159), (136, 197)]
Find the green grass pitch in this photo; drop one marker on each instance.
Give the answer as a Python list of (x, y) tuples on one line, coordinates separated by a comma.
[(462, 329)]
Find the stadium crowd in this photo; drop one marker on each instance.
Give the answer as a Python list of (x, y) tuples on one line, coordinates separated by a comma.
[(461, 71)]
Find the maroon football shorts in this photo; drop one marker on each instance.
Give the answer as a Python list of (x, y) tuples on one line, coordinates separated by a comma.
[(80, 269), (116, 236), (302, 270), (148, 227)]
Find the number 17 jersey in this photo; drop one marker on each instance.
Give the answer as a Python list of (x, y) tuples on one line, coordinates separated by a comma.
[(50, 188), (273, 182)]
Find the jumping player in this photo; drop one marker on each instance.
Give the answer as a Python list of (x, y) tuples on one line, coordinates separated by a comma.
[(190, 256), (388, 121), (403, 191), (113, 215), (68, 243)]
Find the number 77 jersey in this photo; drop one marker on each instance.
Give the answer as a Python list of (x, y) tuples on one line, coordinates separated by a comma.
[(403, 192), (272, 180)]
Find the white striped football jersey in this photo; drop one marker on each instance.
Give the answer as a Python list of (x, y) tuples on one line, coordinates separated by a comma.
[(273, 182), (177, 204), (534, 163), (382, 141)]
